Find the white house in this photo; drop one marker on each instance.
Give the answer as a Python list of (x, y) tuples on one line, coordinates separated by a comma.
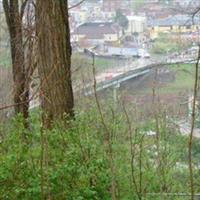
[(137, 24)]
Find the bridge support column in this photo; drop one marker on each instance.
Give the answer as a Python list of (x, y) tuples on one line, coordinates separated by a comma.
[(115, 88)]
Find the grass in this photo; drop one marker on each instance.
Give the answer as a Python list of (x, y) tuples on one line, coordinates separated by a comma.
[(162, 47), (184, 79), (100, 63), (82, 66), (164, 44)]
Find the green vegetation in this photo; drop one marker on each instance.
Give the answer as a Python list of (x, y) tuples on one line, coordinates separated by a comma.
[(121, 19), (107, 146), (164, 45), (137, 4), (183, 79), (75, 163), (182, 76), (82, 66), (101, 64)]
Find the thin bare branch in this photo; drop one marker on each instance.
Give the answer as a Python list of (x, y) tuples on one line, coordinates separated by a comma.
[(76, 5), (193, 117), (23, 6)]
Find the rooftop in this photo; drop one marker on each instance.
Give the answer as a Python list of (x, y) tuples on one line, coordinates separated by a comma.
[(176, 20), (96, 30)]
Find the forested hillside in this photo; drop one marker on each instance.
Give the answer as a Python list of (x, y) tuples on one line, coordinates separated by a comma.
[(99, 100)]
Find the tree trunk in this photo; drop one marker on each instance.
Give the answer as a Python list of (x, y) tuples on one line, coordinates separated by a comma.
[(21, 91), (54, 56)]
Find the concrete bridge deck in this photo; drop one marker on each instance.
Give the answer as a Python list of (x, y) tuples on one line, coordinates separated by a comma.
[(116, 77)]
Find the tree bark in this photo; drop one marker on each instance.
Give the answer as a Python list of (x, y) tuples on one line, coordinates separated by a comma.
[(14, 22), (54, 56)]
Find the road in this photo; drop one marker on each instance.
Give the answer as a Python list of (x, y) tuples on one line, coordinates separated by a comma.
[(111, 73)]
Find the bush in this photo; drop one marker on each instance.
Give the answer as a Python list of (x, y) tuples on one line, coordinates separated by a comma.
[(73, 163)]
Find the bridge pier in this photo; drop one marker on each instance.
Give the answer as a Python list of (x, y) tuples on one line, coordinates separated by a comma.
[(115, 93)]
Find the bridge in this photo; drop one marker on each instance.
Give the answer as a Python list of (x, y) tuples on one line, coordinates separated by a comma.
[(113, 79)]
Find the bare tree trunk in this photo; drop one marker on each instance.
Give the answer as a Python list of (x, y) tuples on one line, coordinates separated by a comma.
[(14, 22), (54, 57)]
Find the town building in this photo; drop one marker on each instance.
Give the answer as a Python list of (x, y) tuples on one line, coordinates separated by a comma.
[(173, 24), (113, 5), (137, 24), (97, 32), (187, 3)]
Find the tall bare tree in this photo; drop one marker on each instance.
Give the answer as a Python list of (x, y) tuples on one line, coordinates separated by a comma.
[(13, 15), (54, 58)]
